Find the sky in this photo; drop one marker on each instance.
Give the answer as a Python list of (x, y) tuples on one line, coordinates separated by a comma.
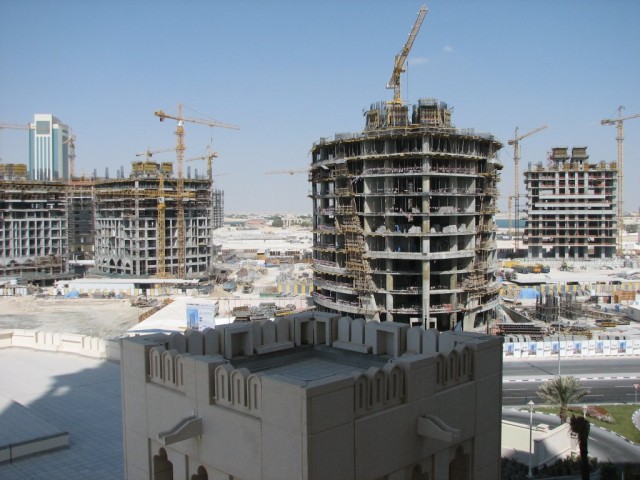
[(289, 72)]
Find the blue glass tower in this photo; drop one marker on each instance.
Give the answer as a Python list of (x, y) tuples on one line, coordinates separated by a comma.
[(48, 148)]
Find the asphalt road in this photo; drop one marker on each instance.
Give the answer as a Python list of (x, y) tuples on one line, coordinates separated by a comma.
[(607, 380), (604, 445), (629, 366)]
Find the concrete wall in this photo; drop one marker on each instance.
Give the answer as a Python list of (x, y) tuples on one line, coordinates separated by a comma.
[(61, 342), (549, 445)]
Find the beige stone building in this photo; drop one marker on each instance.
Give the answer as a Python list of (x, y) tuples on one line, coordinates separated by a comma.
[(312, 396)]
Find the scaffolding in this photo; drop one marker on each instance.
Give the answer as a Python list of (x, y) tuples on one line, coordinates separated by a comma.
[(405, 210), (33, 230)]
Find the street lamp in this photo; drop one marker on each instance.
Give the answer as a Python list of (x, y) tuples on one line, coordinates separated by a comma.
[(531, 404)]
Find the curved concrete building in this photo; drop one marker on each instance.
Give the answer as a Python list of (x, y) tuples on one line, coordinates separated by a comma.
[(404, 225), (126, 223)]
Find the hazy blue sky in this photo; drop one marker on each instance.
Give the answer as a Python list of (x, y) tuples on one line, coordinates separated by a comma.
[(289, 72)]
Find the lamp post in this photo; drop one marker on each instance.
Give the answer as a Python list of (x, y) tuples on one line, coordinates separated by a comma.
[(531, 404)]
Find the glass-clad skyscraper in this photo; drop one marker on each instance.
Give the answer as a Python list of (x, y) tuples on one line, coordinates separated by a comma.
[(48, 148)]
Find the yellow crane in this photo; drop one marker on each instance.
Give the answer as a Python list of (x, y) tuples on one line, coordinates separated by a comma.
[(209, 158), (515, 141), (510, 215), (148, 153), (618, 122), (398, 66), (180, 118)]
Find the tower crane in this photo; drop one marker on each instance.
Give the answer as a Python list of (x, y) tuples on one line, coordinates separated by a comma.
[(289, 172), (71, 141), (13, 126), (618, 122), (510, 214), (209, 158), (515, 141), (398, 66), (180, 118), (148, 153)]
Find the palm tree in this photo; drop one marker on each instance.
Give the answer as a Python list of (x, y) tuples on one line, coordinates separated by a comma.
[(562, 391), (581, 426)]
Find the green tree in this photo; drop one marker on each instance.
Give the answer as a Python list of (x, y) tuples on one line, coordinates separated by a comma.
[(277, 222), (562, 391), (581, 426)]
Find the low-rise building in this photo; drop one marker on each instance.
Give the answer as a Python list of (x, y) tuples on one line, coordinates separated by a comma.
[(315, 396)]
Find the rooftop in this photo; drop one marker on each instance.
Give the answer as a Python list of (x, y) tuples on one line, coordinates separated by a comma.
[(65, 392)]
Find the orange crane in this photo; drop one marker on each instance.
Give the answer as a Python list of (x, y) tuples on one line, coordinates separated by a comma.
[(618, 122), (209, 158), (180, 118), (515, 141), (398, 66)]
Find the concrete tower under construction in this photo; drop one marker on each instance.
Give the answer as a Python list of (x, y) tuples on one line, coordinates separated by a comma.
[(571, 206), (136, 223), (404, 219)]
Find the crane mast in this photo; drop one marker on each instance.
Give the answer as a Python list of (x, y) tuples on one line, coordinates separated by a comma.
[(515, 141), (398, 67), (180, 147), (71, 141), (618, 122)]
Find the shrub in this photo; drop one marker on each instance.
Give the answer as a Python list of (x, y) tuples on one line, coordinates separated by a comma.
[(595, 411)]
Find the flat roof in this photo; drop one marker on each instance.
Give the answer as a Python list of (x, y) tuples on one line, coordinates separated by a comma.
[(76, 394)]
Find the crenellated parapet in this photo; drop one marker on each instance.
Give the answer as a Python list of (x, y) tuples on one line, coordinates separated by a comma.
[(378, 388), (392, 362), (237, 388)]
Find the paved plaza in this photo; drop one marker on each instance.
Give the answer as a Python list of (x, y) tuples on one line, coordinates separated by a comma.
[(71, 393)]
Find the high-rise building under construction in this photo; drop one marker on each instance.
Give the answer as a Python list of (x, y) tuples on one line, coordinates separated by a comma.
[(404, 219), (571, 206), (137, 223)]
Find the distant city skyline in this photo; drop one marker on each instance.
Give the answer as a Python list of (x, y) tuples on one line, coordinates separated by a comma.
[(289, 73)]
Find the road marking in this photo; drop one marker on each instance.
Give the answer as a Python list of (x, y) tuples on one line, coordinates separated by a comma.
[(516, 380)]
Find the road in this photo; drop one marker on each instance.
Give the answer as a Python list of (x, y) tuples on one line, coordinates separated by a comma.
[(604, 445), (607, 380)]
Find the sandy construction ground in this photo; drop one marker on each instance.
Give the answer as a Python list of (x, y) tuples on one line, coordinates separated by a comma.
[(104, 318)]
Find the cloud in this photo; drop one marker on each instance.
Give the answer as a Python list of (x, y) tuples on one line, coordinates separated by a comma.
[(447, 49), (417, 60)]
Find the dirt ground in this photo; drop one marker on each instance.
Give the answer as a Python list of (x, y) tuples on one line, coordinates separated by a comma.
[(104, 318)]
